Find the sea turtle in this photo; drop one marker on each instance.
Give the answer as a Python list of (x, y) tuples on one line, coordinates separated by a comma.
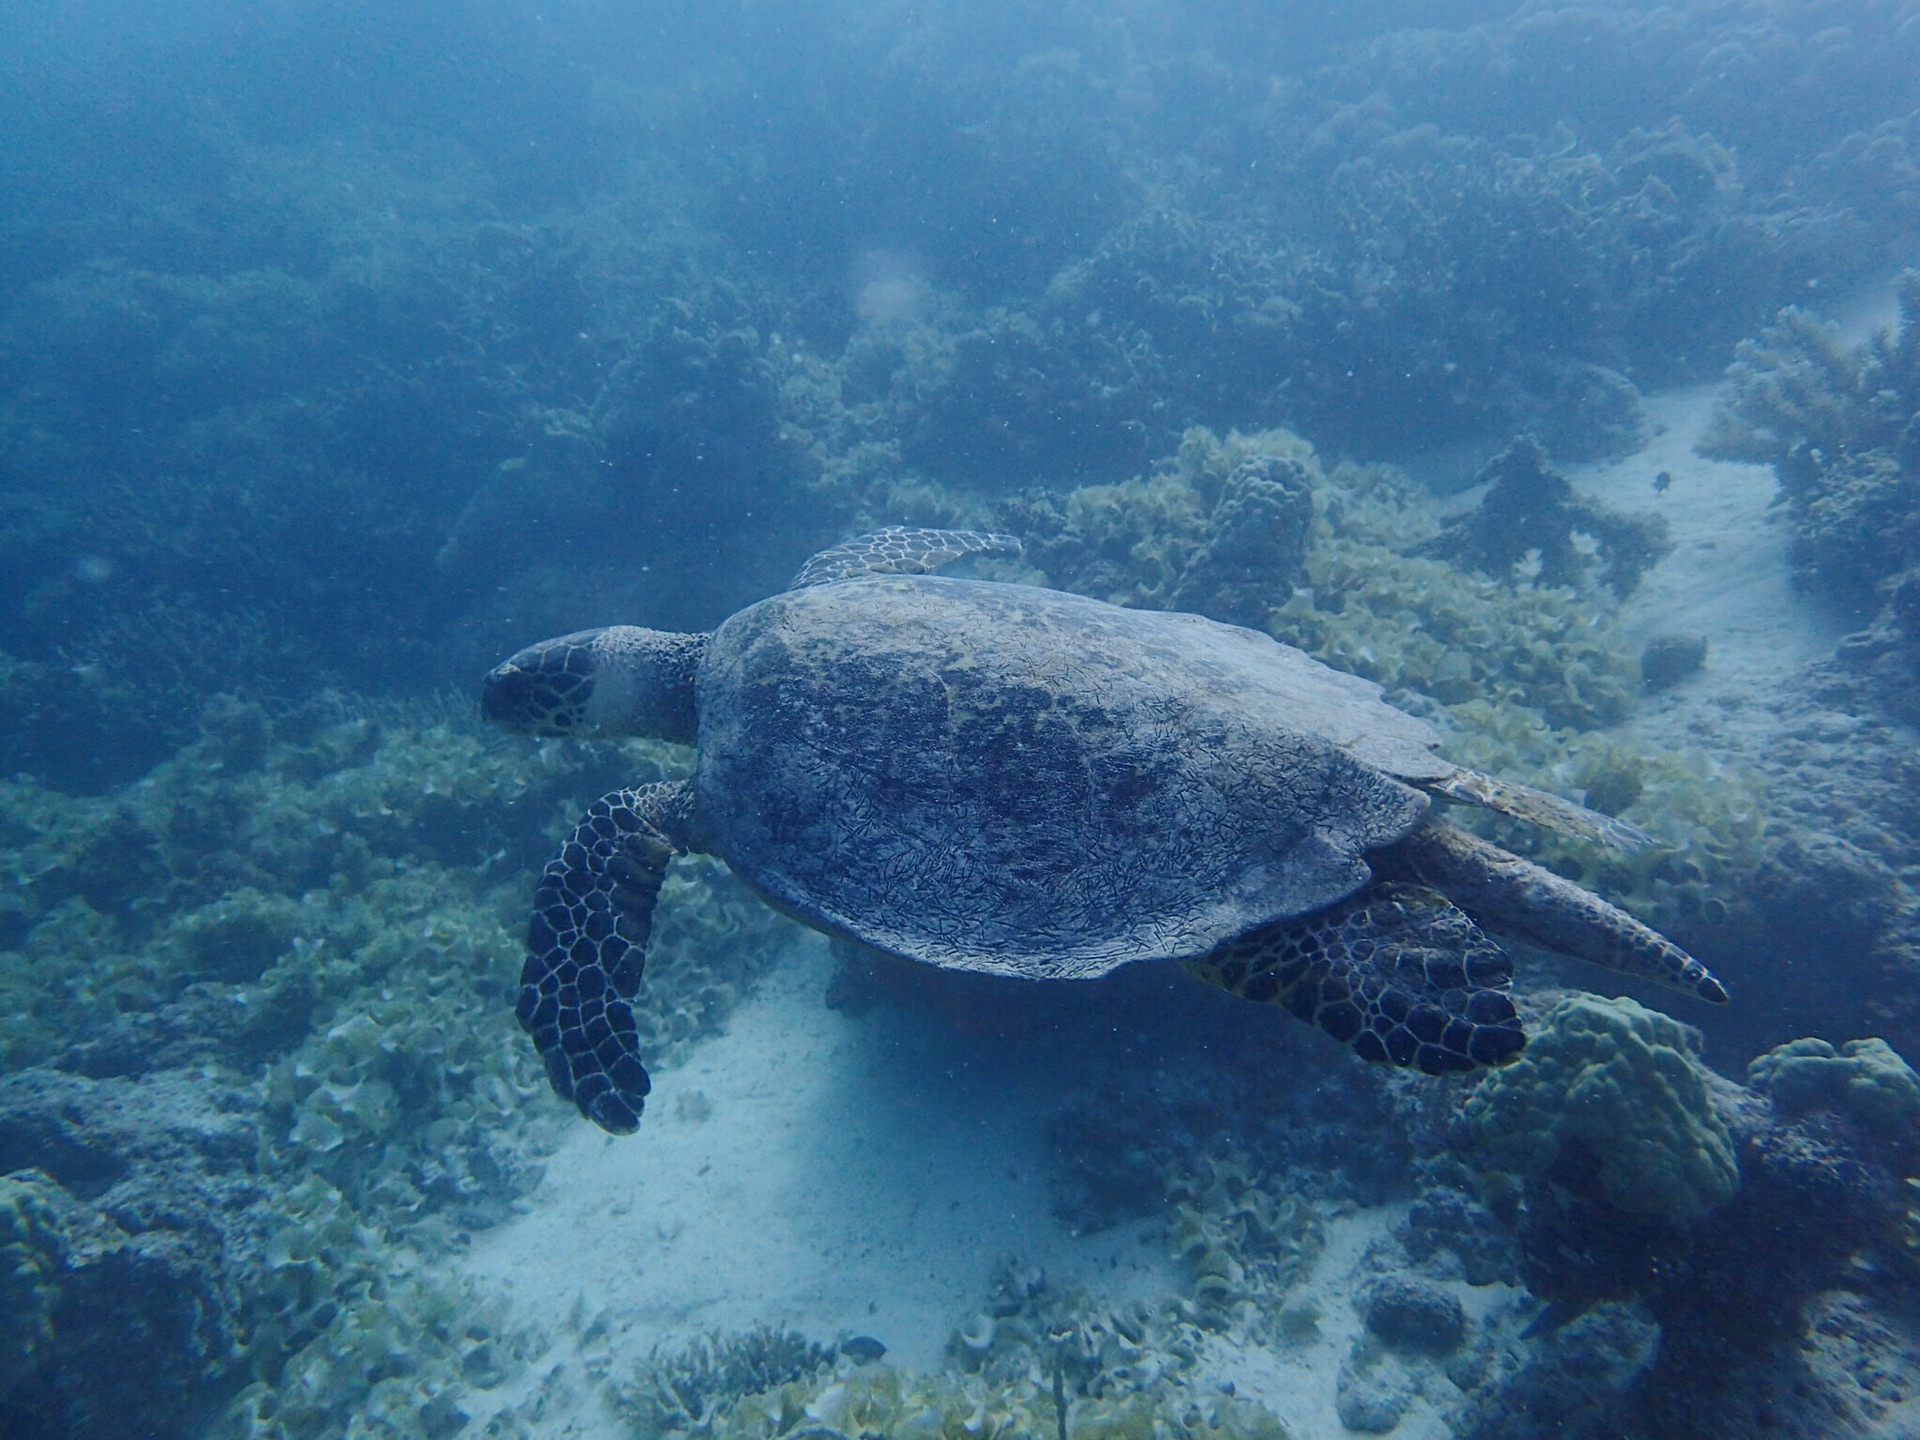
[(996, 777)]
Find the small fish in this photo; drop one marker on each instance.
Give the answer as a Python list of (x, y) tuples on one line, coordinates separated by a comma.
[(1662, 480), (862, 1349)]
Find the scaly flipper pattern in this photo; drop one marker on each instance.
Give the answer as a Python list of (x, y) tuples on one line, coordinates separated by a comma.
[(1541, 807), (899, 550), (1397, 972), (587, 946), (1504, 892)]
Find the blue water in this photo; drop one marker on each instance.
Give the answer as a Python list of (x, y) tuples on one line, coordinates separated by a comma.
[(347, 349)]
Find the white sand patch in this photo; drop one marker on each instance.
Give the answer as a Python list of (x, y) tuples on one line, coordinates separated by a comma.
[(843, 1177), (1726, 578), (802, 1169)]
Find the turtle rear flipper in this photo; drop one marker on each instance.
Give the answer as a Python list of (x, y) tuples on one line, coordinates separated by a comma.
[(587, 947), (1398, 972), (899, 550), (1512, 894)]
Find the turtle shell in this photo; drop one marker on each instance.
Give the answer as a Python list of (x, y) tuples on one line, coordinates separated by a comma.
[(1020, 781)]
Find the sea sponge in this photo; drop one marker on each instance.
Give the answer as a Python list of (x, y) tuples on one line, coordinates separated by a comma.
[(1864, 1078), (1622, 1082)]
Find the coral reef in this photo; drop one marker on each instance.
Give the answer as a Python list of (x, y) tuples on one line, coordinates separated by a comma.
[(260, 1045), (1621, 1084), (599, 338), (1785, 1343), (1692, 1334), (1354, 599)]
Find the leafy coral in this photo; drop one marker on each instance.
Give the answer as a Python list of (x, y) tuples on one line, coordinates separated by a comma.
[(1240, 1243)]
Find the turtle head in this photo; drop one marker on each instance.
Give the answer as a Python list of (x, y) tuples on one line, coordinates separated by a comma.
[(615, 681)]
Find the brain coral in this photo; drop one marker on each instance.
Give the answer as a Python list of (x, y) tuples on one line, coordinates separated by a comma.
[(1866, 1078), (1621, 1081)]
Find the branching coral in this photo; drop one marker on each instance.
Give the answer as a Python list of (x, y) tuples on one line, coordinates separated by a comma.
[(1039, 1363), (1531, 517), (690, 1388), (880, 1400)]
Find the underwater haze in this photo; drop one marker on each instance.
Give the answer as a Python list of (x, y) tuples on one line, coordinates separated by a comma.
[(1554, 368)]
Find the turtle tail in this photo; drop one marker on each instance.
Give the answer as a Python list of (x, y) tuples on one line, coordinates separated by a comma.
[(587, 946), (1397, 972)]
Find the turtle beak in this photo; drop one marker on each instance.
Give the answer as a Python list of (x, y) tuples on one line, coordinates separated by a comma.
[(506, 697)]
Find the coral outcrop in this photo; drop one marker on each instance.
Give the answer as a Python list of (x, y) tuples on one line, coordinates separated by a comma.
[(1571, 1384), (1256, 546), (1863, 1079), (135, 1229), (1620, 1083), (1841, 429)]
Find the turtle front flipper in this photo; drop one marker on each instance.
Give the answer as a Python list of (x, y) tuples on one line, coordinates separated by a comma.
[(1398, 972), (587, 946), (899, 550)]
